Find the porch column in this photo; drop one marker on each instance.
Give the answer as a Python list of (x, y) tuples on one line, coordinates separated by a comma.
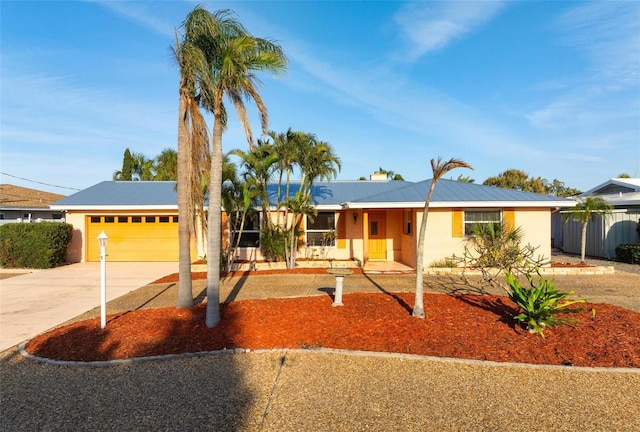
[(365, 237)]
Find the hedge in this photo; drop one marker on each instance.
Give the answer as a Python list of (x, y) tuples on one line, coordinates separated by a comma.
[(34, 245), (629, 253)]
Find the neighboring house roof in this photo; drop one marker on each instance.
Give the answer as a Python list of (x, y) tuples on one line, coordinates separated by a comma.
[(333, 195), (122, 195), (17, 197), (617, 191)]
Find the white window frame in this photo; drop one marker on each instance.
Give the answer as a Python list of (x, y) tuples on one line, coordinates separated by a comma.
[(469, 223), (407, 221), (333, 229)]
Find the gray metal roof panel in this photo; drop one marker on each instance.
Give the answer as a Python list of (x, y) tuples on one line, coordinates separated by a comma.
[(455, 191), (124, 193), (163, 193), (338, 192)]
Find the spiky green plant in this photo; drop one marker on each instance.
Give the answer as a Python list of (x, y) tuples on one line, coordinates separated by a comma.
[(541, 304)]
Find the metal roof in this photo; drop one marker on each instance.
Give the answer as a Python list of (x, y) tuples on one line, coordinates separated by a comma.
[(626, 184), (327, 195), (123, 194), (448, 192), (336, 193)]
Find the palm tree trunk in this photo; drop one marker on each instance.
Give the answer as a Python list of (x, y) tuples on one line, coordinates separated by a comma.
[(418, 305), (583, 245), (185, 294), (214, 226)]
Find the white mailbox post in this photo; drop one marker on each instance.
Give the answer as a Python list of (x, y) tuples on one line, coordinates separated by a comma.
[(102, 240), (339, 273)]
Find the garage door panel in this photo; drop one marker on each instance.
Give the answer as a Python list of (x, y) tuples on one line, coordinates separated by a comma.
[(134, 238)]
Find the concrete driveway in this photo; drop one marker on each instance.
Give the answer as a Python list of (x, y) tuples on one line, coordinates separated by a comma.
[(35, 302)]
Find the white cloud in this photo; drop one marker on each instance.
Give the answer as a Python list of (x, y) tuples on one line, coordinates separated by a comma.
[(430, 26), (609, 34), (147, 13)]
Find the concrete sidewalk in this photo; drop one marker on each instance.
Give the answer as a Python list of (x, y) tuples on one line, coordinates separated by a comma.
[(34, 302)]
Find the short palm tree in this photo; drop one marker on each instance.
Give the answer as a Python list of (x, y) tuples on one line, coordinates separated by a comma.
[(586, 211), (284, 147), (439, 168), (258, 166)]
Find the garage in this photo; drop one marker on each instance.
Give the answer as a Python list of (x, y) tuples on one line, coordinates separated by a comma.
[(139, 237)]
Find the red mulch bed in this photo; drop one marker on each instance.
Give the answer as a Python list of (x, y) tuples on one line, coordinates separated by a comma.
[(573, 265), (463, 326), (172, 278)]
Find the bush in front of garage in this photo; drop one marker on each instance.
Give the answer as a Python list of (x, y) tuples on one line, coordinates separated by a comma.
[(34, 245)]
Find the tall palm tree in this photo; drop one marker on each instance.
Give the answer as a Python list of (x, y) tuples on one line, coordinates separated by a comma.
[(439, 168), (586, 211), (193, 145), (233, 57)]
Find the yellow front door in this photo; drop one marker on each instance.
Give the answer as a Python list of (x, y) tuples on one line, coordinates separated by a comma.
[(377, 235)]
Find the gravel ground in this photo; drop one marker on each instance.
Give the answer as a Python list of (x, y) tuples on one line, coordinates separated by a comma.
[(315, 391), (320, 390)]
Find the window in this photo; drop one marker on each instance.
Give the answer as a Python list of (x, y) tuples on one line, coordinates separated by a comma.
[(95, 219), (136, 219), (250, 236), (1, 216), (407, 221), (472, 217), (150, 219), (164, 219), (322, 230), (56, 216), (109, 219), (123, 219)]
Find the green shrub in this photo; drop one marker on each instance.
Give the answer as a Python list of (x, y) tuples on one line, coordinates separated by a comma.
[(540, 304), (34, 245), (272, 243), (629, 253), (444, 263)]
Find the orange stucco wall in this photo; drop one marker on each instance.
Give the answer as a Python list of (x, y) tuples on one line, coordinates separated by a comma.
[(440, 243)]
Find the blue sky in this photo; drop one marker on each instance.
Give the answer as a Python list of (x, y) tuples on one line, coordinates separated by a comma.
[(548, 87)]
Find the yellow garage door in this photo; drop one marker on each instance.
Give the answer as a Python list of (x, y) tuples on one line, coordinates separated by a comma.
[(134, 238)]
